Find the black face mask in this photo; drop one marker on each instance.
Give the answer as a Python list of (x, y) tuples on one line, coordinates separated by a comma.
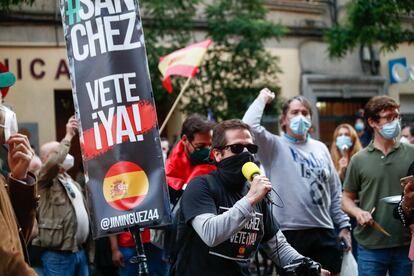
[(230, 171)]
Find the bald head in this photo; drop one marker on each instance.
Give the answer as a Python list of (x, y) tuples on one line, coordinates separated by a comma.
[(47, 148)]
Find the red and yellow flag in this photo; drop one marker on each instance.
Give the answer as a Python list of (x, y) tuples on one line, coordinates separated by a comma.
[(125, 185), (183, 62)]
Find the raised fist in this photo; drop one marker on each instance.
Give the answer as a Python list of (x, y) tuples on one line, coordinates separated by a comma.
[(266, 95)]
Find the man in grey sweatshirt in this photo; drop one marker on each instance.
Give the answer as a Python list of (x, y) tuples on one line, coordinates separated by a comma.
[(302, 173)]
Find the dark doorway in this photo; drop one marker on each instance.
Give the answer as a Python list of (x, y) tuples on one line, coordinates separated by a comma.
[(63, 110), (334, 111)]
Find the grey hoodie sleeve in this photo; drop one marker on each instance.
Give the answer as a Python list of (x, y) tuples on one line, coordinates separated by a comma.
[(215, 229), (263, 138), (338, 216), (280, 251)]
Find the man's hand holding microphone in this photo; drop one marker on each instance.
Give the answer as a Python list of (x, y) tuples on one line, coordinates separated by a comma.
[(260, 184)]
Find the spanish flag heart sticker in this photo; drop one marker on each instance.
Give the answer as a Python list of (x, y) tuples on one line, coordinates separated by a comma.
[(125, 185)]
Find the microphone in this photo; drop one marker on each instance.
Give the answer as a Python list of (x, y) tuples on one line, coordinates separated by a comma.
[(250, 170)]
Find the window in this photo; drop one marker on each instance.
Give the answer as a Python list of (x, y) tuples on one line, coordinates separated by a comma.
[(303, 6)]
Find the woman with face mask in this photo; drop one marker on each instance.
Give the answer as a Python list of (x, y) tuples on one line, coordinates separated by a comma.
[(345, 144), (364, 135)]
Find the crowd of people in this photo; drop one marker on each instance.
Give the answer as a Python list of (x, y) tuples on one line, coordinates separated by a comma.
[(304, 208)]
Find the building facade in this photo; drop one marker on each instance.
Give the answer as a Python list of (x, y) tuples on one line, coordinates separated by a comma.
[(32, 47)]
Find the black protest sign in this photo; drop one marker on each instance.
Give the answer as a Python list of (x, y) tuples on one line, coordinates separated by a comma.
[(113, 99)]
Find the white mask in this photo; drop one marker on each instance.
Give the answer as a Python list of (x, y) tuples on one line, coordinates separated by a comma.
[(9, 123), (68, 163), (404, 139)]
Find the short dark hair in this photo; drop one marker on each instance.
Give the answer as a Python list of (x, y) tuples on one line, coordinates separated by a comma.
[(410, 128), (377, 104), (302, 100), (195, 123), (219, 131)]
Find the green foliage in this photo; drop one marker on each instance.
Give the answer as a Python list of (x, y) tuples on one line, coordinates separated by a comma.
[(5, 5), (169, 28), (369, 22), (237, 65)]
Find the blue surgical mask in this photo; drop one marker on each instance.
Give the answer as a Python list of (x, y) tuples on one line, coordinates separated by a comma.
[(391, 130), (359, 126), (343, 142), (300, 125)]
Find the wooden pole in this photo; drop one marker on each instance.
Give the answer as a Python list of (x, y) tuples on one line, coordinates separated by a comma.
[(175, 104)]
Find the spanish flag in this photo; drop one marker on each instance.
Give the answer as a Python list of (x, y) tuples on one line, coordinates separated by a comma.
[(183, 62), (125, 185)]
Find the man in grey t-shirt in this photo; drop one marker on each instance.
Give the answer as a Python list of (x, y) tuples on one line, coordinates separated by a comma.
[(302, 172)]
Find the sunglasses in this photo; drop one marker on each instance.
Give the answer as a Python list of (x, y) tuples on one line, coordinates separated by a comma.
[(239, 148)]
